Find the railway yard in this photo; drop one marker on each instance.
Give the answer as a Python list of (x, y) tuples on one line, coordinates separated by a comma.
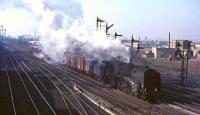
[(29, 85), (138, 58)]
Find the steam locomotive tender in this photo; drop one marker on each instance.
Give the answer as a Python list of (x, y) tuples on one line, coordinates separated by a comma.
[(139, 81)]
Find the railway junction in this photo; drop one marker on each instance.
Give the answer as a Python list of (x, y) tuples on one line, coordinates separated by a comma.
[(30, 85)]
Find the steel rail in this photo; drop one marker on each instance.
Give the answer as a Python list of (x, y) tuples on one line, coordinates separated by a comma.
[(85, 113), (56, 85), (10, 88), (34, 85), (61, 83), (60, 92), (124, 101), (22, 81)]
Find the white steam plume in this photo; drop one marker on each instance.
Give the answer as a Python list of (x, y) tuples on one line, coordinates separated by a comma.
[(62, 30), (61, 24)]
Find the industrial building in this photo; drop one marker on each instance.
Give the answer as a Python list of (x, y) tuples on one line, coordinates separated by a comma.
[(174, 43), (196, 51), (163, 52)]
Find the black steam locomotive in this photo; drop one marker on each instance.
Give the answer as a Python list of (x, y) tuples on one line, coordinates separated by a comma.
[(139, 81)]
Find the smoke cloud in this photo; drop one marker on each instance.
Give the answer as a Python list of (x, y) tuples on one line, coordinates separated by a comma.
[(62, 29)]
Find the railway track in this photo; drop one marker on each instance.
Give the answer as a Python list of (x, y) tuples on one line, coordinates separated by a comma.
[(21, 100), (54, 85), (109, 96), (41, 103), (74, 100), (97, 108), (195, 108), (129, 98), (117, 99), (188, 94), (6, 98), (69, 85), (21, 93), (37, 92), (119, 103), (10, 86), (181, 95), (42, 79)]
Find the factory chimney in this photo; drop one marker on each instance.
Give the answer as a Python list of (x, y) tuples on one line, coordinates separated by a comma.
[(169, 40), (131, 49)]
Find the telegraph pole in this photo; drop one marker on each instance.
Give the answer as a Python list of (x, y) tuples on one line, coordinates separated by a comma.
[(138, 47), (131, 52), (169, 40), (1, 30), (5, 32), (181, 50), (182, 67)]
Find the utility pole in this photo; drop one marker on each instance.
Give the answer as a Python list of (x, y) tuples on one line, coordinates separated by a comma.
[(183, 51), (1, 30), (5, 32), (138, 47), (131, 50), (182, 67), (187, 58), (169, 40)]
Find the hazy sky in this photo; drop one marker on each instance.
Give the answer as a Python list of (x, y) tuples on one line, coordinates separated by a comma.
[(151, 18)]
